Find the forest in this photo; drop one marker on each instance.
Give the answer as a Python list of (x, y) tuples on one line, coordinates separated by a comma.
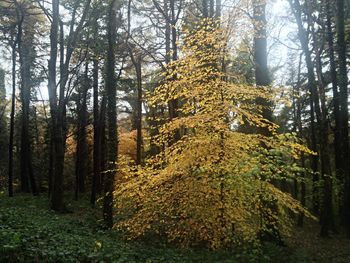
[(174, 131)]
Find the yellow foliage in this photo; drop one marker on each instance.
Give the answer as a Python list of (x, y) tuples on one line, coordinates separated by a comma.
[(127, 144), (206, 189)]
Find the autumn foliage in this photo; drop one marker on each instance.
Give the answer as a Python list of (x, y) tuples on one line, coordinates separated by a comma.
[(207, 187)]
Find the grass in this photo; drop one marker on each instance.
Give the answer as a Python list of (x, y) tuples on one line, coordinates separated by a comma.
[(30, 232)]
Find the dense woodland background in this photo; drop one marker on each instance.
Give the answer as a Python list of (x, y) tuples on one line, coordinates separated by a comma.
[(196, 123)]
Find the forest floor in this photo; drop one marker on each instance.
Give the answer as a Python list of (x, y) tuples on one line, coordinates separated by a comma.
[(306, 242), (30, 232)]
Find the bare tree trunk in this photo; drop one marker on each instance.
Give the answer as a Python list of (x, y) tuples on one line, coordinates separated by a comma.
[(139, 149), (262, 77), (218, 9), (25, 59), (23, 159), (82, 149), (96, 179), (103, 160), (112, 144), (12, 119), (137, 62), (336, 99), (211, 8), (344, 113), (299, 128), (205, 9), (174, 104)]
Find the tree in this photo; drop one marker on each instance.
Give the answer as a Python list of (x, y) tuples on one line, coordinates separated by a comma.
[(26, 59), (58, 101), (262, 77), (112, 141), (322, 122), (97, 110), (336, 96), (344, 112), (3, 124), (81, 168), (96, 180), (206, 188), (136, 58)]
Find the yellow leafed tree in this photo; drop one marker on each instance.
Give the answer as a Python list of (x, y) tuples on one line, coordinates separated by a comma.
[(207, 187)]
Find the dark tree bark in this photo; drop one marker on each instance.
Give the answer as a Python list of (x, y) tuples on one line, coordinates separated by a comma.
[(297, 104), (23, 165), (25, 50), (112, 143), (262, 77), (336, 99), (139, 149), (167, 35), (96, 179), (103, 160), (12, 118), (137, 62), (3, 122), (344, 113), (81, 147)]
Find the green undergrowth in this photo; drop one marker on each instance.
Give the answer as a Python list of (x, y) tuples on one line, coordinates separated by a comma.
[(30, 232)]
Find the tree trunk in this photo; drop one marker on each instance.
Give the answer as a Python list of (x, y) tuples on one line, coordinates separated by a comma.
[(336, 99), (26, 59), (139, 149), (344, 113), (211, 8), (3, 123), (262, 77), (301, 135), (82, 149), (12, 119), (96, 179), (205, 9), (103, 159), (57, 180), (218, 9), (112, 143)]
